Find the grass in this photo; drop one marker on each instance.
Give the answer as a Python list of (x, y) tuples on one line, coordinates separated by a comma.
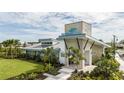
[(13, 67)]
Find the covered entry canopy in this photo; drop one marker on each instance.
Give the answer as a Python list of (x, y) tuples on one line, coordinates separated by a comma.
[(75, 34)]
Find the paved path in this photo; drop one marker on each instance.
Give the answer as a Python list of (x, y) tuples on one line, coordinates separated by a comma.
[(65, 73), (121, 61)]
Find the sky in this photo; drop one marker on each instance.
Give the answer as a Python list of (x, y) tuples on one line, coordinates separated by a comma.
[(31, 26)]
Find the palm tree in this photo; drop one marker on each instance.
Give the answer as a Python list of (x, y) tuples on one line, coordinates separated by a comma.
[(0, 48), (5, 45), (75, 56), (11, 42), (16, 46), (49, 56), (11, 47)]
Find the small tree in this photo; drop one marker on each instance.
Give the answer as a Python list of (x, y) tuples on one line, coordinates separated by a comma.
[(49, 56), (107, 67), (75, 56)]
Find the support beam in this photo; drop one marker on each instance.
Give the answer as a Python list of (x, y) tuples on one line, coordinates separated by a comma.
[(66, 59), (65, 44), (78, 43), (92, 45), (86, 44)]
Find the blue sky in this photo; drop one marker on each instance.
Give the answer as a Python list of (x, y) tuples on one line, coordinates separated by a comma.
[(30, 26)]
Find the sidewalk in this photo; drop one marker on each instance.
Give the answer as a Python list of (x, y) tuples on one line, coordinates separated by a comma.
[(65, 73), (119, 59)]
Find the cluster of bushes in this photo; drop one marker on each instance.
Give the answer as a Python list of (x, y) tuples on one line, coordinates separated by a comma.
[(53, 71), (80, 76), (107, 69), (29, 76)]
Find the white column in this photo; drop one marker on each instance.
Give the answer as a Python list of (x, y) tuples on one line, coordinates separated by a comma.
[(66, 59), (103, 51), (67, 62), (83, 64), (90, 57)]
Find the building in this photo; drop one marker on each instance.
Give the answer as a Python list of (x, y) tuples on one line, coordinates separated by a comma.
[(36, 49), (77, 35)]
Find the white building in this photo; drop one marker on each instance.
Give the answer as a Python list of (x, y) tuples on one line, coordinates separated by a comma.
[(77, 35)]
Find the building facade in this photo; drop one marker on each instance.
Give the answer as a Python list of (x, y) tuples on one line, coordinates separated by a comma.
[(79, 36)]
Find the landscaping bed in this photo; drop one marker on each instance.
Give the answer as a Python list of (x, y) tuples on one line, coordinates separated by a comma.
[(29, 76)]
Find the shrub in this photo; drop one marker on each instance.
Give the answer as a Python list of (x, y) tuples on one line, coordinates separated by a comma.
[(107, 69), (53, 71), (32, 76)]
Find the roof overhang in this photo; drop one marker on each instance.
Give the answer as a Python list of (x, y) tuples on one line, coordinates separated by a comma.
[(80, 36), (83, 36), (97, 41)]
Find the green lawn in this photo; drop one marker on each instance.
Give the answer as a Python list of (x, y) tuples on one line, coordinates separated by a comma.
[(13, 67)]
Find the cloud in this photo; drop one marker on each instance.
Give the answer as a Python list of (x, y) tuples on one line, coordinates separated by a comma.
[(27, 25)]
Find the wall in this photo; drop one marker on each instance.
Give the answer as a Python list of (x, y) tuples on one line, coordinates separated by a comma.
[(61, 45), (87, 28), (77, 25), (97, 52), (80, 26)]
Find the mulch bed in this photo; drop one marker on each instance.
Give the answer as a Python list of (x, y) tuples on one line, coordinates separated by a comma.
[(40, 76)]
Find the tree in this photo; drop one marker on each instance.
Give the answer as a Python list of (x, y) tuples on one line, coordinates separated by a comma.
[(1, 48), (16, 45), (49, 56), (24, 44), (75, 56), (11, 47), (107, 67), (5, 45)]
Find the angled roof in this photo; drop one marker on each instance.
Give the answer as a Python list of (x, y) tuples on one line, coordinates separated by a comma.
[(74, 33), (97, 41)]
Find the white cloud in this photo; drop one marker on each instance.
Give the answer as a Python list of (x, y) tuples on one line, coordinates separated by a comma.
[(52, 24)]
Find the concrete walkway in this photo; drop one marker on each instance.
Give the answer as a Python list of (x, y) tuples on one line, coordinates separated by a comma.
[(121, 61), (65, 73)]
